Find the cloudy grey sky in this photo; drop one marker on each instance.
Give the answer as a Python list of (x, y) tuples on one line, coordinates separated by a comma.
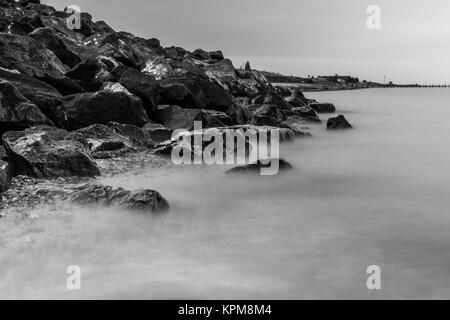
[(299, 37)]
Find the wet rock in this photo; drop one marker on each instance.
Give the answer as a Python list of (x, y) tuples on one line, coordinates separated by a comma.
[(238, 113), (115, 140), (157, 132), (16, 111), (28, 56), (255, 168), (142, 85), (50, 39), (158, 69), (102, 107), (338, 123), (175, 117), (323, 107), (194, 91), (240, 132), (5, 175), (49, 152), (141, 200), (44, 96)]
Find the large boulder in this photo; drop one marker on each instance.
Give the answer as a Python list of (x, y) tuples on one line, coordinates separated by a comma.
[(175, 117), (90, 74), (338, 123), (115, 140), (322, 107), (142, 85), (5, 175), (29, 56), (16, 111), (50, 39), (49, 152), (141, 200), (102, 107), (44, 96), (196, 91)]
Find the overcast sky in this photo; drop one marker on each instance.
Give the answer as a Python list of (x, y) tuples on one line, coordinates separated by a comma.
[(300, 37)]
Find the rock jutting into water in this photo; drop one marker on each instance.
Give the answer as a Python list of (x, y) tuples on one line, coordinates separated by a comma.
[(338, 123), (70, 99)]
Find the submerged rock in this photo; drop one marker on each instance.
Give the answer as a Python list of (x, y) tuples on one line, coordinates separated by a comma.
[(141, 200), (253, 168), (16, 111), (49, 152), (323, 107), (338, 123)]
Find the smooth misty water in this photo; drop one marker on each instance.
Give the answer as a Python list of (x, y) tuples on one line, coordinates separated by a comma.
[(378, 194)]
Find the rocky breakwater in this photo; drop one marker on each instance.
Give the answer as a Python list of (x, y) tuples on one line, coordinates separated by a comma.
[(75, 103)]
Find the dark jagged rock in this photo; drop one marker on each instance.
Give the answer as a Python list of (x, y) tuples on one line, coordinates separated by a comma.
[(63, 84), (307, 113), (323, 107), (28, 56), (157, 132), (201, 93), (338, 123), (216, 55), (90, 74), (201, 54), (102, 107), (141, 200), (142, 85), (283, 91), (255, 168), (297, 102), (5, 175), (44, 96), (115, 140), (49, 152), (50, 39), (16, 111), (175, 117)]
